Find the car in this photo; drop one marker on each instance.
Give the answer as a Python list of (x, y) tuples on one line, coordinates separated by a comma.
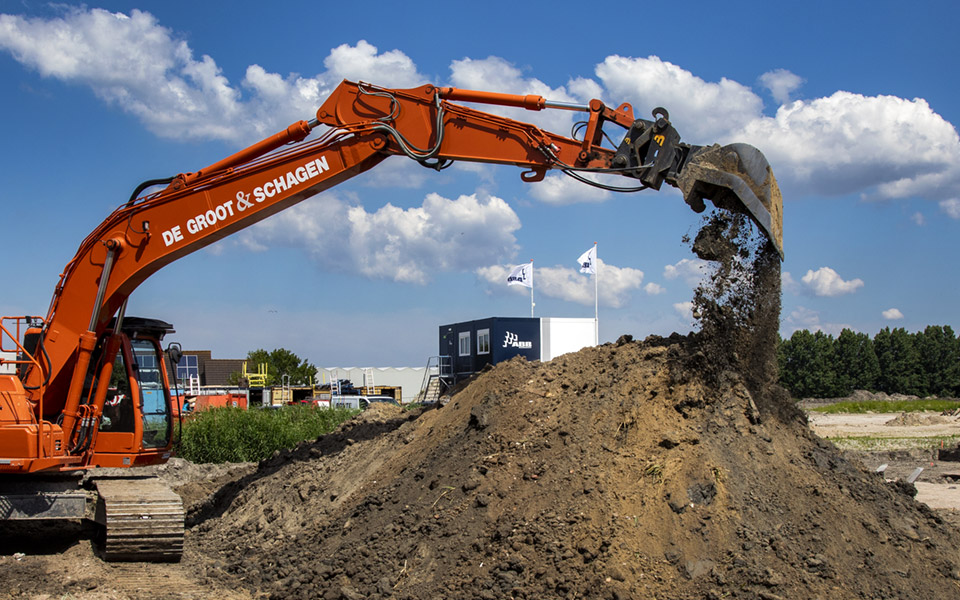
[(366, 401)]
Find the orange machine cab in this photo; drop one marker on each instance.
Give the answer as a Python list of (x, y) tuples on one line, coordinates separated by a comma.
[(136, 425)]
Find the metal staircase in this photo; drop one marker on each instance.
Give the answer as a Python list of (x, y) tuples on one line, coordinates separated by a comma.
[(437, 379)]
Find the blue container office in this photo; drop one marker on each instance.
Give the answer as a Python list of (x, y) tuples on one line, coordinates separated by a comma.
[(474, 344)]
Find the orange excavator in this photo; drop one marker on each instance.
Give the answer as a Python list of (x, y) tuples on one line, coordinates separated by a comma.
[(86, 386)]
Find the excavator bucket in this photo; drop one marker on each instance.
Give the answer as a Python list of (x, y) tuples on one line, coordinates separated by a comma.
[(736, 177)]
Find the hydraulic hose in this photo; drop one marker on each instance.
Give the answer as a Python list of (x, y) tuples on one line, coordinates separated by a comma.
[(146, 184)]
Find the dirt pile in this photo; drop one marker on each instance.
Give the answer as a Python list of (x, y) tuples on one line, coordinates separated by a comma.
[(617, 472), (669, 468), (914, 419)]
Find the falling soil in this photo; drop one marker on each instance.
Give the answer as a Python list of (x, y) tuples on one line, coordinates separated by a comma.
[(668, 468), (738, 303)]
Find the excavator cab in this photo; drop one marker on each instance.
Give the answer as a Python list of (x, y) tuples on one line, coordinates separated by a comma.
[(136, 423)]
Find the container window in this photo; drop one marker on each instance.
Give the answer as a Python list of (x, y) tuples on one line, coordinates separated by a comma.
[(483, 341)]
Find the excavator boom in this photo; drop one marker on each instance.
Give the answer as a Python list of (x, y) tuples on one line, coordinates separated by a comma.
[(65, 367), (736, 177), (360, 125)]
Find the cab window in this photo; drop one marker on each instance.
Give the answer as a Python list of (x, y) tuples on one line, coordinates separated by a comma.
[(118, 413), (156, 408)]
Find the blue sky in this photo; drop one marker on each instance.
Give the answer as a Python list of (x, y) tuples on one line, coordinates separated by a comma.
[(852, 103)]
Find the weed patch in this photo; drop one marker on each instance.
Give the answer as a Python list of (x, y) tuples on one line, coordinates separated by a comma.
[(237, 435)]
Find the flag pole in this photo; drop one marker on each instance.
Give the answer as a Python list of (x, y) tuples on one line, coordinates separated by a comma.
[(596, 300), (531, 289)]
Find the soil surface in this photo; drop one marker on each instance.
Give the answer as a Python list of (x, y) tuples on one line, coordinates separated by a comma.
[(667, 468)]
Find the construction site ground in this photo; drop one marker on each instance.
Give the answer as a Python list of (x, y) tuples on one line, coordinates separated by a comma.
[(672, 468), (607, 474), (904, 442)]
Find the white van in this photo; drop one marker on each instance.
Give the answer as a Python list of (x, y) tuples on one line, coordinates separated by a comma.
[(360, 402)]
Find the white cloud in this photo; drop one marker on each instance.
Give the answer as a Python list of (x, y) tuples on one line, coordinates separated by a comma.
[(788, 283), (130, 61), (951, 207), (685, 310), (615, 284), (866, 133), (827, 282), (918, 218), (496, 277), (559, 189), (404, 245), (892, 314), (881, 145), (496, 74), (145, 69), (781, 83), (804, 318), (364, 62), (690, 270), (878, 146), (585, 89), (654, 289), (703, 112)]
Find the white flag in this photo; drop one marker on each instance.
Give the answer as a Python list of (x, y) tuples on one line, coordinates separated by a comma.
[(588, 261), (521, 275)]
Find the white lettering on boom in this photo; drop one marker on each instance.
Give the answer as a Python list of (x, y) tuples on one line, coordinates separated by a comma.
[(288, 181), (285, 183)]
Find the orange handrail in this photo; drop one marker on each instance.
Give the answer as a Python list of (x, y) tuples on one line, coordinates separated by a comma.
[(28, 359)]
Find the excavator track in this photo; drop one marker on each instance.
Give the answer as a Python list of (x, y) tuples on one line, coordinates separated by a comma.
[(142, 518)]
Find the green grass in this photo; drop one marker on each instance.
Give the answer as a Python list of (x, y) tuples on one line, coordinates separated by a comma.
[(868, 443), (881, 406), (237, 435)]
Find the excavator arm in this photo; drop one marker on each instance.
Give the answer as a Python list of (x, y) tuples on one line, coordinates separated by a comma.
[(360, 125), (736, 177)]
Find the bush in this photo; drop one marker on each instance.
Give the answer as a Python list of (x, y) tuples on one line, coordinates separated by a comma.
[(238, 435)]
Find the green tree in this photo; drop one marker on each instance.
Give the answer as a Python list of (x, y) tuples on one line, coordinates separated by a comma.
[(280, 362), (806, 363), (283, 362), (856, 362), (939, 353), (900, 371)]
